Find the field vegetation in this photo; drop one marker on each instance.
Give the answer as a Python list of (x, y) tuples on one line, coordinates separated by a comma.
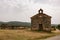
[(24, 35)]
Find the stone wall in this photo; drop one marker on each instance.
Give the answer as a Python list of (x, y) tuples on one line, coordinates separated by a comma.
[(45, 21)]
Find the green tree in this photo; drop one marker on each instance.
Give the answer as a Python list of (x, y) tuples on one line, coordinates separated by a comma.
[(3, 26), (58, 27)]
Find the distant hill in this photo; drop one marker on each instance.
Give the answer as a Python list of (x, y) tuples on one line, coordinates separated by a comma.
[(54, 25), (16, 23)]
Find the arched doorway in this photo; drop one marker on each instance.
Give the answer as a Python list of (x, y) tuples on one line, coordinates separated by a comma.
[(40, 27)]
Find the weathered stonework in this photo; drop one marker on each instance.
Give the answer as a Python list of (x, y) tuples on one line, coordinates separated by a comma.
[(41, 21)]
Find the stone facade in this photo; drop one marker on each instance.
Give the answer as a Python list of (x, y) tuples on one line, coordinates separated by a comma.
[(41, 21)]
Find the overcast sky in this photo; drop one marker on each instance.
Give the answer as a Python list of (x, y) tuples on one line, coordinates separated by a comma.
[(22, 10)]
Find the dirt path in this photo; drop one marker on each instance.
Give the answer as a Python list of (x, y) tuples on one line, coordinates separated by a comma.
[(54, 38)]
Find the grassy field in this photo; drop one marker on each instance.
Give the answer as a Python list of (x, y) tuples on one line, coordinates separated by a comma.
[(24, 35)]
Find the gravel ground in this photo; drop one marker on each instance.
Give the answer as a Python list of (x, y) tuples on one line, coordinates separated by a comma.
[(54, 38)]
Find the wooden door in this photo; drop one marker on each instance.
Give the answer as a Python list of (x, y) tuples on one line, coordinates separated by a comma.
[(40, 27)]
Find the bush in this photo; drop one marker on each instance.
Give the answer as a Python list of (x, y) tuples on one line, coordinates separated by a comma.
[(54, 27), (58, 27)]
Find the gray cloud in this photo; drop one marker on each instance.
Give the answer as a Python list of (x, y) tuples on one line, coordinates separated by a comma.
[(49, 2), (13, 10), (41, 1), (22, 10)]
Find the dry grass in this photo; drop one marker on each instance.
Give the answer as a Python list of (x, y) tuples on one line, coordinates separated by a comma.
[(23, 35)]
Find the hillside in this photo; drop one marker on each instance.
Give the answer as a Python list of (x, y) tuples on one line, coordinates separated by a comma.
[(16, 23)]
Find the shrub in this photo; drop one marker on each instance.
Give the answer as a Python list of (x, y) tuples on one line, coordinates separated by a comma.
[(58, 27)]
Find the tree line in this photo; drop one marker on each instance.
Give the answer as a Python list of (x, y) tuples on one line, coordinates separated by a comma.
[(14, 25)]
